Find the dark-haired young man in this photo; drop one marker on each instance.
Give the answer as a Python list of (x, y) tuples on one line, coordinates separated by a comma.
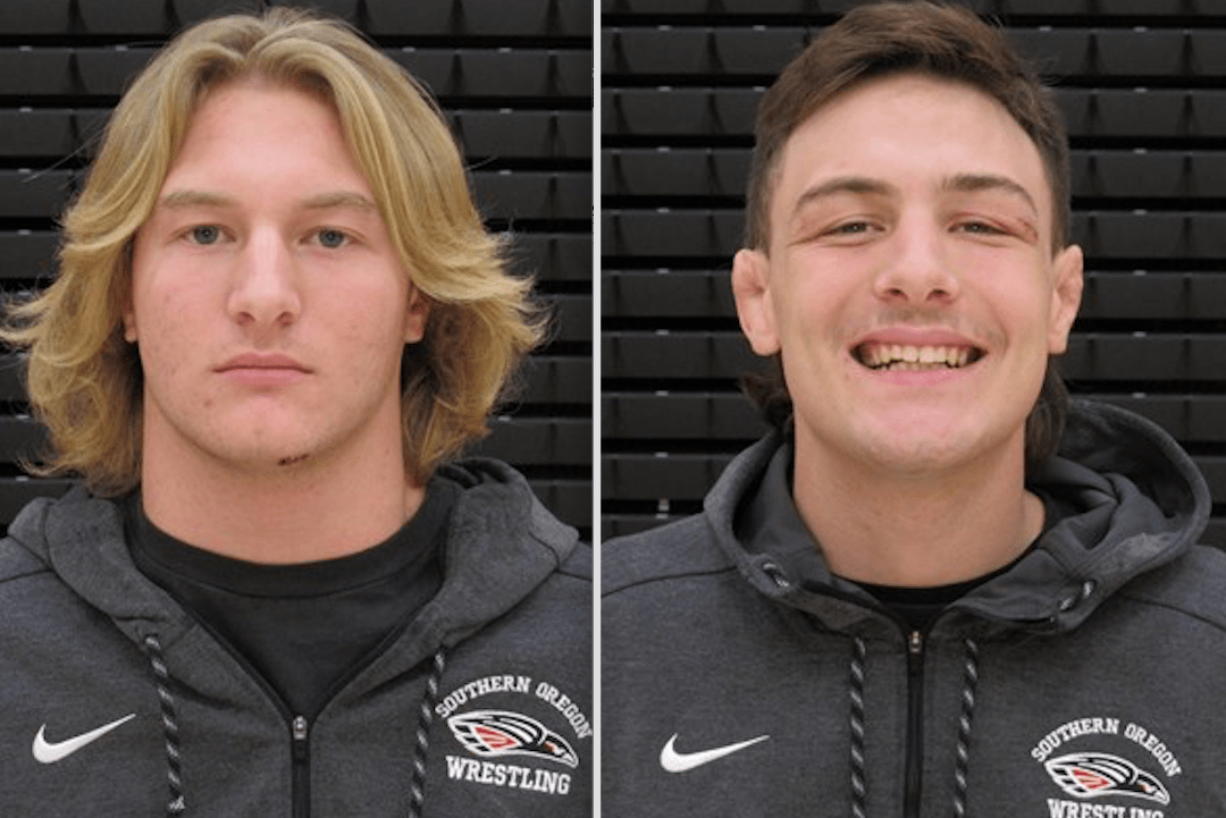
[(938, 588)]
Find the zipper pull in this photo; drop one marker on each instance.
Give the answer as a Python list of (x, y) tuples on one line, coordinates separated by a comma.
[(299, 730), (915, 653)]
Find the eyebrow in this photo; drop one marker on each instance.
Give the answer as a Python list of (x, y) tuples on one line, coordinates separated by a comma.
[(857, 185), (867, 186), (975, 182), (330, 200), (339, 199), (180, 199)]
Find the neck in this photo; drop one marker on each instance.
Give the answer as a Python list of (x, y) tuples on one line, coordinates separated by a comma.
[(294, 514), (917, 530)]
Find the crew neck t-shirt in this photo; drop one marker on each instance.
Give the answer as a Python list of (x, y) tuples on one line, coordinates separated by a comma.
[(303, 628)]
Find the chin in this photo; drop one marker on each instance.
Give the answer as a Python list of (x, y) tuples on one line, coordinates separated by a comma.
[(916, 443), (920, 456)]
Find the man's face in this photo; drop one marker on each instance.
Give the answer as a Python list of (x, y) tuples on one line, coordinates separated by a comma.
[(269, 304), (909, 281)]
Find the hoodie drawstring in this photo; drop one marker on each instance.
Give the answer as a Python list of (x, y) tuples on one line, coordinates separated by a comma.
[(175, 805), (417, 786), (970, 679), (859, 788)]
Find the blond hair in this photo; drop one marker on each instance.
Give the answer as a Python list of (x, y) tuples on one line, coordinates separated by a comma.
[(85, 382)]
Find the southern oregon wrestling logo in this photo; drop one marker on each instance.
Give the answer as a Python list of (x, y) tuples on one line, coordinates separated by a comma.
[(525, 736), (502, 733), (1120, 767), (1089, 775)]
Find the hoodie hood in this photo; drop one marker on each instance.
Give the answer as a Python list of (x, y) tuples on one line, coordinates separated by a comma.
[(1113, 616), (1139, 502), (501, 544)]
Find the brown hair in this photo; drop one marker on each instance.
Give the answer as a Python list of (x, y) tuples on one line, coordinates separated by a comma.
[(85, 381), (948, 42)]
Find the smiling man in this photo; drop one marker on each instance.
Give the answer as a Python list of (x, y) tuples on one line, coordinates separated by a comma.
[(938, 587), (277, 322)]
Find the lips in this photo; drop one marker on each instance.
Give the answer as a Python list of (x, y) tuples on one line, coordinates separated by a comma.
[(917, 349), (271, 362)]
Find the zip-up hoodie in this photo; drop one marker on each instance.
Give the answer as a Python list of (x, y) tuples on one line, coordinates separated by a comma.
[(741, 678), (116, 702)]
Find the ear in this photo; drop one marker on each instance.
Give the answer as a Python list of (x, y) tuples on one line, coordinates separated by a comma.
[(129, 321), (1065, 297), (754, 305), (128, 317), (417, 311)]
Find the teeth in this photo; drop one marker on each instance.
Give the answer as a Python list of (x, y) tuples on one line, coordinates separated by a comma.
[(895, 357)]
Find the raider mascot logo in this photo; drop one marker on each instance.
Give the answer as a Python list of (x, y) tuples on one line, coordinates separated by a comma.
[(1124, 772), (503, 746), (503, 733), (1087, 775)]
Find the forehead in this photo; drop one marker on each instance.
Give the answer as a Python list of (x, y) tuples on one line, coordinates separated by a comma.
[(908, 130), (256, 129)]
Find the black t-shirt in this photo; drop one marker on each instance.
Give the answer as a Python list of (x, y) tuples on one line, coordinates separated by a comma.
[(305, 627)]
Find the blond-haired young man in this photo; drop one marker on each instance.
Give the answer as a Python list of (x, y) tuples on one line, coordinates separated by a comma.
[(277, 321)]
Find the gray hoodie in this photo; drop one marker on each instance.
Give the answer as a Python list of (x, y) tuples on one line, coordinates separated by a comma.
[(742, 679), (115, 702)]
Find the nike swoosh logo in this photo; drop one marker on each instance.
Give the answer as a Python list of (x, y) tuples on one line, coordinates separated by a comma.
[(49, 752), (675, 762)]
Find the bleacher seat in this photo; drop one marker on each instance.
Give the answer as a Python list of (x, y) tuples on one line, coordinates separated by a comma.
[(667, 293), (510, 134), (525, 195), (489, 18), (556, 257), (699, 234), (663, 355)]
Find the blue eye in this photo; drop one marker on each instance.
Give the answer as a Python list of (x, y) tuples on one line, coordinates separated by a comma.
[(332, 239), (205, 234)]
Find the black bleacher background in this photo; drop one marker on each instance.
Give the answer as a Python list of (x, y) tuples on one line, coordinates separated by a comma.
[(1143, 87), (516, 79)]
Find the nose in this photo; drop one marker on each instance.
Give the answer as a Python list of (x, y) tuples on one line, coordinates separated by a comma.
[(916, 272), (265, 292)]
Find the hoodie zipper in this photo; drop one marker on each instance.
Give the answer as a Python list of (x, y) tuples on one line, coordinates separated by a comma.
[(300, 725), (915, 725), (914, 747), (300, 732)]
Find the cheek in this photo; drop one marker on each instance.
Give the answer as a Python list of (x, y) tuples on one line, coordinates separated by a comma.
[(1017, 292), (171, 328), (372, 339), (825, 305)]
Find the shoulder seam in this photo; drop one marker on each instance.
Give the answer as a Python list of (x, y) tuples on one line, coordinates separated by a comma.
[(24, 574), (668, 578), (22, 563)]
